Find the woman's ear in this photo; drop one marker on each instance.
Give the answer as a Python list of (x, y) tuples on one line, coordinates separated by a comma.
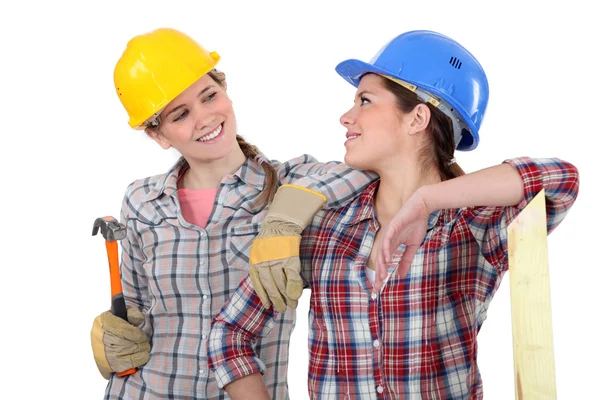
[(418, 119), (158, 138)]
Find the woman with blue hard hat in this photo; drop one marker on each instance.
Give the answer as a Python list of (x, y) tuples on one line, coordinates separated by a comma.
[(402, 277)]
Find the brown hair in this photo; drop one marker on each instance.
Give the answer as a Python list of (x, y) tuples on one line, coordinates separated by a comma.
[(249, 150), (439, 152)]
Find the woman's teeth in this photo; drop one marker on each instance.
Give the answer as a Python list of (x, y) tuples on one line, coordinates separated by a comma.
[(211, 135)]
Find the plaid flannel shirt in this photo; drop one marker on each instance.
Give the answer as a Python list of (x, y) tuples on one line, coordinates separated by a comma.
[(417, 338), (180, 275)]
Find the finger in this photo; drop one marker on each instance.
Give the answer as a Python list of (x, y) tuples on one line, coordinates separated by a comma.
[(377, 284), (385, 247), (279, 304), (258, 287), (380, 260), (382, 272), (270, 286), (134, 316), (295, 284), (131, 360), (144, 347), (139, 359), (121, 328), (117, 346), (278, 273), (286, 299), (388, 240), (407, 259), (292, 304)]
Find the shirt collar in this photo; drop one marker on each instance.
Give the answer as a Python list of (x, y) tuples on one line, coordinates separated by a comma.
[(366, 210), (250, 172), (364, 205), (167, 183)]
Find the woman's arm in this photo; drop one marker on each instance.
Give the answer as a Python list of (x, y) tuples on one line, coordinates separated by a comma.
[(494, 197), (308, 187), (250, 387), (242, 320), (133, 275), (339, 183), (113, 338), (500, 185)]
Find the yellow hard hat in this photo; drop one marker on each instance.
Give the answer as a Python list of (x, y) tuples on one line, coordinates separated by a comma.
[(157, 67)]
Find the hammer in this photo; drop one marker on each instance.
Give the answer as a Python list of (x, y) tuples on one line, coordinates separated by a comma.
[(112, 231)]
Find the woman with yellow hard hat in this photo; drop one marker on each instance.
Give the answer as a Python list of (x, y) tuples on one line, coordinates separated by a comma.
[(190, 231)]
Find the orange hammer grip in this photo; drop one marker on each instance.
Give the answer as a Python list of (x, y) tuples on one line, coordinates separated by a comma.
[(112, 250), (116, 290), (127, 372)]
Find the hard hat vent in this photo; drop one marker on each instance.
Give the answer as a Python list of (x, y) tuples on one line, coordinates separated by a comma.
[(455, 62)]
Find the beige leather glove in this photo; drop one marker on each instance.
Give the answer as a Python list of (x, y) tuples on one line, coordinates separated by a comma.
[(274, 255), (119, 345)]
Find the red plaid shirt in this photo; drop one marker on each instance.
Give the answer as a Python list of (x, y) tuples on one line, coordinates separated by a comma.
[(417, 339)]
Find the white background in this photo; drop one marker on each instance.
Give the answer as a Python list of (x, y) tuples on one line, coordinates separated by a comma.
[(68, 153)]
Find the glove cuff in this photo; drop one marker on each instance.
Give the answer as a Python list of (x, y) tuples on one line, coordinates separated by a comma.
[(293, 207)]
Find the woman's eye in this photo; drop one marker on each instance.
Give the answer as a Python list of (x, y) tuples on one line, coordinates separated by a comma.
[(181, 116), (210, 97), (364, 100)]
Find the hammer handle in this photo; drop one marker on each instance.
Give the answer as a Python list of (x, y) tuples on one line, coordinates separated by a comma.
[(118, 307), (116, 290)]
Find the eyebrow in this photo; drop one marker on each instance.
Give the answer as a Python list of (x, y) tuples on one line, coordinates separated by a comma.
[(360, 94), (183, 105)]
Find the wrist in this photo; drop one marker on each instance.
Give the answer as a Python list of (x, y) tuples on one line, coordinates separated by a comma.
[(275, 225), (294, 204), (427, 195)]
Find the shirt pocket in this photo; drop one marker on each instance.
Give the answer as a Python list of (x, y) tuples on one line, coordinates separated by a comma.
[(239, 242)]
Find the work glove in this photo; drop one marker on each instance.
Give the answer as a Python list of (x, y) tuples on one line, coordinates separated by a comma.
[(119, 345), (275, 253)]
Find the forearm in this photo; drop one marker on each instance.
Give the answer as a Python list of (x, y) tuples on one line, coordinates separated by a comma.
[(500, 185), (339, 183), (240, 323), (251, 387)]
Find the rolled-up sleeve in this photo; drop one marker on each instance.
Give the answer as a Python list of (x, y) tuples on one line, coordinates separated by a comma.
[(242, 320), (560, 181)]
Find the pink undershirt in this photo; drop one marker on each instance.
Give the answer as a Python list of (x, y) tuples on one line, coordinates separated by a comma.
[(197, 204)]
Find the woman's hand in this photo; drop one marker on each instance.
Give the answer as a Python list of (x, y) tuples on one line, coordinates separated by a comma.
[(408, 227)]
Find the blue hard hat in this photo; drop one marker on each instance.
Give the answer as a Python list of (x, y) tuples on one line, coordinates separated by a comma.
[(440, 71)]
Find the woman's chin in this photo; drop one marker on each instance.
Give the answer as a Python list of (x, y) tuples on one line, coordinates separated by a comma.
[(353, 161)]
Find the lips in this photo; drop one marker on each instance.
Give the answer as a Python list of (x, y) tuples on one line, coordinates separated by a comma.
[(212, 135), (352, 135)]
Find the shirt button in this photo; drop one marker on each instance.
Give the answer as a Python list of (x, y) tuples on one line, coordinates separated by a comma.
[(204, 296), (374, 296), (379, 389), (201, 263), (203, 336), (202, 373), (202, 234), (376, 343)]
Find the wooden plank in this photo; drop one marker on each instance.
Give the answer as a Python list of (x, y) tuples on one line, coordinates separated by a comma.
[(533, 349)]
